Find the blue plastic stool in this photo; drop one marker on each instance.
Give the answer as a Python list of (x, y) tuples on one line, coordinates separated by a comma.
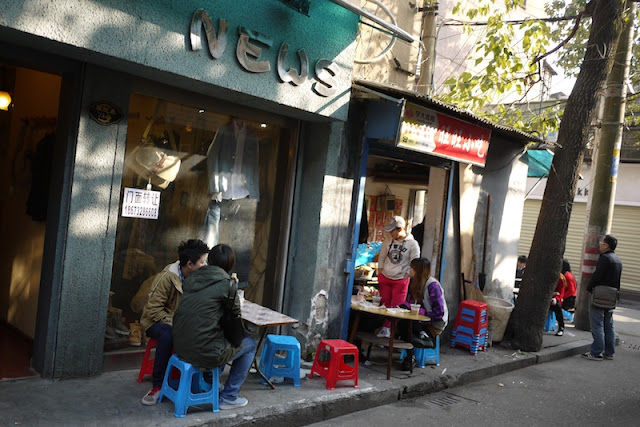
[(424, 355), (273, 366), (567, 315), (191, 388), (550, 323)]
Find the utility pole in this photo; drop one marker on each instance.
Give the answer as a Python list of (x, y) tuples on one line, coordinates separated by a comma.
[(428, 52), (603, 187)]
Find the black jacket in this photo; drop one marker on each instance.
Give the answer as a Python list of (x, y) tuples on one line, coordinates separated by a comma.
[(608, 271)]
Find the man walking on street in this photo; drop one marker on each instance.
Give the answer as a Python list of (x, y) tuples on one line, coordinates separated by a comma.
[(607, 273)]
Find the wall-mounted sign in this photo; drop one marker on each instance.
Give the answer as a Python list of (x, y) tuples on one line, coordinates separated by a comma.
[(137, 203), (430, 132), (249, 50), (105, 113)]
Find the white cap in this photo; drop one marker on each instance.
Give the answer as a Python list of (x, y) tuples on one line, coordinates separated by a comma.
[(395, 222)]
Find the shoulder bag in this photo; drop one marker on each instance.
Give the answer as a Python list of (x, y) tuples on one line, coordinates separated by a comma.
[(233, 328), (158, 165), (604, 297)]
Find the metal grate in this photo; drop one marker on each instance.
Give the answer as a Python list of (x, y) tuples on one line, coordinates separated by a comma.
[(445, 401), (633, 346)]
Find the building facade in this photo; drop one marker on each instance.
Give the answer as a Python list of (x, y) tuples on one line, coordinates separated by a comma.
[(118, 114)]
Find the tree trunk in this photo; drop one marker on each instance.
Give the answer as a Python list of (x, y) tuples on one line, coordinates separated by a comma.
[(543, 266)]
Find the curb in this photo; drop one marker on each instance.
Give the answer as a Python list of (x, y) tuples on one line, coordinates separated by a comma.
[(308, 411), (564, 350)]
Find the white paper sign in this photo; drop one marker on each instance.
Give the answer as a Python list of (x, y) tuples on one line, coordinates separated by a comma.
[(139, 203)]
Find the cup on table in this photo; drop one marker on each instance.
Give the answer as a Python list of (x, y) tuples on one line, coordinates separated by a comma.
[(415, 308), (241, 296), (376, 299)]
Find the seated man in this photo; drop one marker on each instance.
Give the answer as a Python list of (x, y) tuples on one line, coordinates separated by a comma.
[(157, 315)]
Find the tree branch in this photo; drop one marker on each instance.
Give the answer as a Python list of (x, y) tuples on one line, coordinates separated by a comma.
[(587, 11)]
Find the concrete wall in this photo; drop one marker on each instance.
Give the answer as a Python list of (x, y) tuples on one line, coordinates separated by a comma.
[(321, 238), (503, 179), (152, 38), (93, 213), (372, 42)]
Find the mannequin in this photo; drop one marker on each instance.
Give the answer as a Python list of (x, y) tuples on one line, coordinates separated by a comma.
[(232, 168)]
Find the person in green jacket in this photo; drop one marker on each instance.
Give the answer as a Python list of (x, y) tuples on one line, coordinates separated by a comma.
[(198, 337)]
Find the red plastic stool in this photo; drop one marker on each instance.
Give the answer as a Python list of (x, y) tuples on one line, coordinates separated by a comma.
[(335, 369), (147, 363)]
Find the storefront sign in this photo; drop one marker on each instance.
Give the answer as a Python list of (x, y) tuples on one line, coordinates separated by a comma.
[(138, 203), (249, 49), (105, 113), (430, 132)]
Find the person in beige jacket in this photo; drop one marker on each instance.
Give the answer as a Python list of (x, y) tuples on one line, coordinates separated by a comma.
[(157, 315)]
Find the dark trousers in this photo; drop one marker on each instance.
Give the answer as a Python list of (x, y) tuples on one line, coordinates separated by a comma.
[(557, 310), (161, 332)]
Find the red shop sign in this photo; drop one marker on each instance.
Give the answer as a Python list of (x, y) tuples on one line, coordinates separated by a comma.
[(430, 132)]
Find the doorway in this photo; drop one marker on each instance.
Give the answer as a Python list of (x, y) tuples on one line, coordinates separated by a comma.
[(27, 136)]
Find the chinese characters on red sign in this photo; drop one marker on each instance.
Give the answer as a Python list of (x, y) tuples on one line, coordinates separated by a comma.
[(444, 136)]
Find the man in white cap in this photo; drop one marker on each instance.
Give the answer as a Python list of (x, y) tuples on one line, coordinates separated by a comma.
[(396, 253)]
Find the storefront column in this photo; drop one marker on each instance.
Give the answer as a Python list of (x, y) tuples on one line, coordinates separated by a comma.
[(321, 237), (93, 213)]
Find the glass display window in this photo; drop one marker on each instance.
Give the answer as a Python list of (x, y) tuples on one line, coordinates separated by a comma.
[(192, 173)]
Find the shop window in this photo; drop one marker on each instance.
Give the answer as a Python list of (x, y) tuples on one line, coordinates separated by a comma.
[(216, 178)]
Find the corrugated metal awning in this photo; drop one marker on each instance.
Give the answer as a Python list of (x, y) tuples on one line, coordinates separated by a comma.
[(425, 100)]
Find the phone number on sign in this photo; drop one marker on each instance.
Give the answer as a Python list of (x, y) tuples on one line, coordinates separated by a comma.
[(140, 211)]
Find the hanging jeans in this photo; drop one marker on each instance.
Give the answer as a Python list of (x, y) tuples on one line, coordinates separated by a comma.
[(232, 222)]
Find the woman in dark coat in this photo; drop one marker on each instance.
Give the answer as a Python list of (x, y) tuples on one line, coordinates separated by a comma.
[(198, 337)]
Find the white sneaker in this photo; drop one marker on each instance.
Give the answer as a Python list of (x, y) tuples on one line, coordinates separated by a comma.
[(151, 398), (384, 333), (238, 402)]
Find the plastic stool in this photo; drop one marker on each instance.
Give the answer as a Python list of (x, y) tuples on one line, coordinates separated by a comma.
[(147, 364), (335, 369), (474, 342), (424, 355), (550, 323), (567, 315), (273, 366), (191, 387)]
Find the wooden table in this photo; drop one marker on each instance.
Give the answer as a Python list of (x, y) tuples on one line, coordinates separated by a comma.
[(395, 316), (264, 318)]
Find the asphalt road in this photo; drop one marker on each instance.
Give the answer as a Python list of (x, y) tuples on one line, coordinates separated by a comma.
[(570, 392)]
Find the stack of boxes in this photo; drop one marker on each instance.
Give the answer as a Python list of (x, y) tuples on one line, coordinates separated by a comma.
[(470, 329)]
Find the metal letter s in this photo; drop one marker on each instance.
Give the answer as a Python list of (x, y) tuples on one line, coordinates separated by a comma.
[(325, 72)]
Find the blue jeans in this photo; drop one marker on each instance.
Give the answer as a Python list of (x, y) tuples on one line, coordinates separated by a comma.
[(161, 332), (604, 338), (239, 369)]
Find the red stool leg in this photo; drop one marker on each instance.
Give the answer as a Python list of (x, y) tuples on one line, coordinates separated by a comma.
[(147, 364)]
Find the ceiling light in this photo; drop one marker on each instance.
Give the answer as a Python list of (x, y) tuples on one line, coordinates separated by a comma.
[(5, 100)]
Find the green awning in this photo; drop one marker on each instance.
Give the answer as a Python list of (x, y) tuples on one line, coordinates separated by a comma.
[(539, 163)]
